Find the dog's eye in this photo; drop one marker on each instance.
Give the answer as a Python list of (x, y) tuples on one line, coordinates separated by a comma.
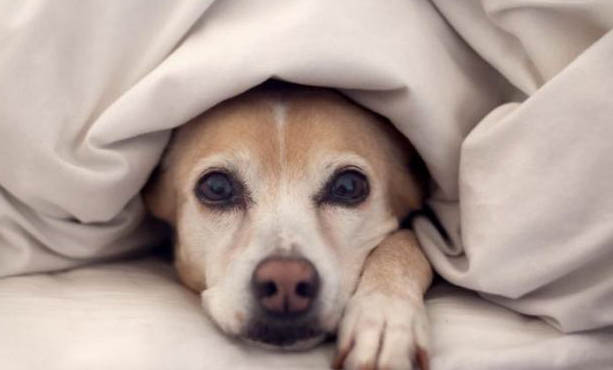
[(348, 188), (218, 188)]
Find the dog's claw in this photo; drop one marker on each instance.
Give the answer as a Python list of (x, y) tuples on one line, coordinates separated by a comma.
[(339, 358), (422, 359)]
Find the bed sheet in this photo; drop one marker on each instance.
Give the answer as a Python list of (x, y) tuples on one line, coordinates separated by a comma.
[(135, 315)]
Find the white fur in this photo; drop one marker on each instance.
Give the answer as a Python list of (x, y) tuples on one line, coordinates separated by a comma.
[(384, 331)]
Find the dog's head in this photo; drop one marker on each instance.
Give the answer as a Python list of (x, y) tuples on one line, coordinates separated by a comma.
[(276, 198)]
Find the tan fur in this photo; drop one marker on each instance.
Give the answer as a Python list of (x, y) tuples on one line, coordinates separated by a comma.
[(316, 122), (398, 256), (335, 123), (396, 268)]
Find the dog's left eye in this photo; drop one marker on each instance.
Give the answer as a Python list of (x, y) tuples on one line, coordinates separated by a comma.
[(218, 189), (348, 188)]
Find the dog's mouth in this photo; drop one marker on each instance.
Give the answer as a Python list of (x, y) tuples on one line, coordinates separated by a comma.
[(284, 334)]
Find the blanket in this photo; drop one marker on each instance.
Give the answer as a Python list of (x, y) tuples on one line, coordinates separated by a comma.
[(509, 103)]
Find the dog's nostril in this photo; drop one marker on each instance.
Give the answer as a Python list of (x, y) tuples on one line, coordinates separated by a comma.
[(265, 289), (268, 289), (305, 289)]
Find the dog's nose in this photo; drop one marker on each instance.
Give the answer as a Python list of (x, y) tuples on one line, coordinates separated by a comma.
[(285, 287)]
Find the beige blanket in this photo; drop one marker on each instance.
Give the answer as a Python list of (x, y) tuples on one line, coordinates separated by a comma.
[(510, 103)]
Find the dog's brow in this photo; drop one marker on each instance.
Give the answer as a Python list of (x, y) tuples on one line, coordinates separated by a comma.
[(235, 161), (334, 160)]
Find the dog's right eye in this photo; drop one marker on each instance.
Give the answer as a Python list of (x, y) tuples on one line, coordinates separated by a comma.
[(218, 189)]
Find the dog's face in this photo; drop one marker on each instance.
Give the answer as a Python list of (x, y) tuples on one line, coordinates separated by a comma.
[(276, 199)]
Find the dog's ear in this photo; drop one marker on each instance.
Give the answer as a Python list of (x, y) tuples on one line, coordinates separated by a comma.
[(409, 180), (408, 177), (159, 195)]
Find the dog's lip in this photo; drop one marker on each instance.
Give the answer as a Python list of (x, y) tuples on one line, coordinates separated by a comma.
[(300, 345), (284, 334)]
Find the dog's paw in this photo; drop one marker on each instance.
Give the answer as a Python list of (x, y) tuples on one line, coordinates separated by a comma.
[(383, 332)]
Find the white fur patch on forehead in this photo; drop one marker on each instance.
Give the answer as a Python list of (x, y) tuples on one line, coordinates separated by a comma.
[(279, 112)]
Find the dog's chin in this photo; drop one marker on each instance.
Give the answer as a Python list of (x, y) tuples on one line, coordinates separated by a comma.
[(283, 336)]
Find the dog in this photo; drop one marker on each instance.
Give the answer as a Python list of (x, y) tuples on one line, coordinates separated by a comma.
[(285, 203)]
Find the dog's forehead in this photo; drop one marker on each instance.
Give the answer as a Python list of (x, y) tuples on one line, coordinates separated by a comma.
[(285, 131)]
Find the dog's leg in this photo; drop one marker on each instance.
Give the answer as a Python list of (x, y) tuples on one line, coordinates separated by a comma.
[(385, 325)]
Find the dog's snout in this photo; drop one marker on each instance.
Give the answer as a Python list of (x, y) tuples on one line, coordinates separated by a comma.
[(285, 287)]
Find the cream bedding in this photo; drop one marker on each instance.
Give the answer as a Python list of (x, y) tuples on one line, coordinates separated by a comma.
[(134, 315), (510, 103)]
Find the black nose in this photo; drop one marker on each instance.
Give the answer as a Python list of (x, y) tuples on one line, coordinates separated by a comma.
[(285, 287)]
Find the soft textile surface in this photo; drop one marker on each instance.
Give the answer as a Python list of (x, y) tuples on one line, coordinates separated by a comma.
[(510, 103), (135, 316)]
